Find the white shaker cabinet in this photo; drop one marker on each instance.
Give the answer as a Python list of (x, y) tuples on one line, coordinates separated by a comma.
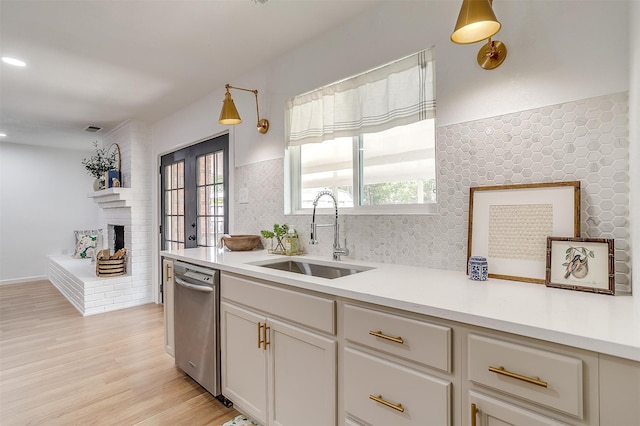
[(168, 284), (278, 353)]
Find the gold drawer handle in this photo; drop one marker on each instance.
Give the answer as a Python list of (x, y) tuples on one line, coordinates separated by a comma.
[(379, 400), (533, 380), (384, 336)]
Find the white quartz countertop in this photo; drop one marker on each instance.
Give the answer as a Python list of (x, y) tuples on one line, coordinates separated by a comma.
[(596, 322)]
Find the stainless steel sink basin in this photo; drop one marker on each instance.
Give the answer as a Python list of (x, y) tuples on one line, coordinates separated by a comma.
[(314, 269)]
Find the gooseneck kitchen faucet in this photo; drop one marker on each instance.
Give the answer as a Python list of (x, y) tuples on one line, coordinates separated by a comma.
[(337, 250)]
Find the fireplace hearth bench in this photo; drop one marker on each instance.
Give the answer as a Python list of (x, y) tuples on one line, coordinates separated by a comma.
[(77, 281)]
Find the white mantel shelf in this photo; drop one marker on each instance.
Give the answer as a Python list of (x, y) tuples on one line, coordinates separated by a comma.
[(112, 198)]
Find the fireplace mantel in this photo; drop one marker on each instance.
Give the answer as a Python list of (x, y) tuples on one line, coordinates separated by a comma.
[(112, 198)]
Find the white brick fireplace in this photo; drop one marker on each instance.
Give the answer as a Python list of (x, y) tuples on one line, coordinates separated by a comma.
[(129, 207)]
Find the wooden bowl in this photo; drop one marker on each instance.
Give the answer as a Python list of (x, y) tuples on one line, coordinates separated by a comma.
[(241, 242)]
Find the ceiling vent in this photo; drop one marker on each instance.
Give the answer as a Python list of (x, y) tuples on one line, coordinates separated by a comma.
[(92, 129)]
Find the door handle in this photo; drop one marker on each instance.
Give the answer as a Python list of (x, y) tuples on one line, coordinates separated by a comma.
[(204, 288), (263, 339), (474, 413)]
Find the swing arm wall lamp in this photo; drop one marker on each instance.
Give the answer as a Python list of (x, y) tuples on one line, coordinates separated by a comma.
[(477, 22), (229, 114)]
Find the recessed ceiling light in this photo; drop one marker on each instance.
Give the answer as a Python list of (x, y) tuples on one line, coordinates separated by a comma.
[(3, 135), (13, 61)]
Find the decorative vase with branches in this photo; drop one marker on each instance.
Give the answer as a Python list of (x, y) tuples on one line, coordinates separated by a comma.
[(99, 163)]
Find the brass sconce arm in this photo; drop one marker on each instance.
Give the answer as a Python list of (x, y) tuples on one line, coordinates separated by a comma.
[(229, 113)]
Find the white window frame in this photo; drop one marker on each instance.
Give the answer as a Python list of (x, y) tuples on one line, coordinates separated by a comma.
[(292, 190)]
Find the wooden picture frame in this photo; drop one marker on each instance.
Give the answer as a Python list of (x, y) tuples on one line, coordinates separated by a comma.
[(509, 225), (583, 264)]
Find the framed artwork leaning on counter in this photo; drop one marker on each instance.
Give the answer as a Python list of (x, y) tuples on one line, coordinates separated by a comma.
[(510, 224), (584, 264)]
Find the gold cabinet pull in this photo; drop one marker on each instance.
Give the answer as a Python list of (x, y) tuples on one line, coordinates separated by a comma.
[(474, 413), (533, 380), (380, 334), (266, 336), (260, 325), (380, 400), (166, 271)]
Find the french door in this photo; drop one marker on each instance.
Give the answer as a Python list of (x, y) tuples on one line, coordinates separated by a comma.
[(194, 195)]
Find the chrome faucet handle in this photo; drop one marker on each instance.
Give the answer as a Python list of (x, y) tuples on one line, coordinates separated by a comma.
[(340, 251)]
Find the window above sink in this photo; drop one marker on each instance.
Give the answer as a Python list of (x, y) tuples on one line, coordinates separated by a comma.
[(369, 139)]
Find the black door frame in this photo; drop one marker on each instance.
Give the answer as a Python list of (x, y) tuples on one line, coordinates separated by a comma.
[(189, 155)]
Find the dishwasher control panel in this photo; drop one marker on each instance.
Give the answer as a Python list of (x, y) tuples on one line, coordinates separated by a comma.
[(199, 276)]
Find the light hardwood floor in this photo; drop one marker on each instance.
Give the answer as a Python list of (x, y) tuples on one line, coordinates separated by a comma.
[(60, 368)]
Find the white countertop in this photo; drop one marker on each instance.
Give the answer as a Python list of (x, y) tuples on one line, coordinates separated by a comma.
[(596, 322)]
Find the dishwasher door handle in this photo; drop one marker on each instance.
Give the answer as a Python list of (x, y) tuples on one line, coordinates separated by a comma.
[(204, 288)]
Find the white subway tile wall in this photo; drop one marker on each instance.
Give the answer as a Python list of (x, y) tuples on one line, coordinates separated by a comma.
[(93, 295), (585, 140)]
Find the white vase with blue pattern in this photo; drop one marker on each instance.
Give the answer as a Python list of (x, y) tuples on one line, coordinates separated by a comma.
[(478, 268)]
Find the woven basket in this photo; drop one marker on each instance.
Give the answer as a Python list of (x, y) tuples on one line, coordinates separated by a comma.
[(106, 267)]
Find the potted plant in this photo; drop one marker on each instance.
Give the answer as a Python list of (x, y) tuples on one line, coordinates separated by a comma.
[(99, 163), (279, 231)]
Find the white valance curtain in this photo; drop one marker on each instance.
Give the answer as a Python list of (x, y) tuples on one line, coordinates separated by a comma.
[(395, 94)]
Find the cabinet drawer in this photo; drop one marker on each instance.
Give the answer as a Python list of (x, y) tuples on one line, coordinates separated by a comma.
[(418, 341), (543, 377), (312, 311), (492, 411), (418, 399)]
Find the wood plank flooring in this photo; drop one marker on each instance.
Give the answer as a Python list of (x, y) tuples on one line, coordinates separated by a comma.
[(60, 368)]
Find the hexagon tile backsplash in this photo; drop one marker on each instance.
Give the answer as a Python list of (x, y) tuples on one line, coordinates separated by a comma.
[(585, 140)]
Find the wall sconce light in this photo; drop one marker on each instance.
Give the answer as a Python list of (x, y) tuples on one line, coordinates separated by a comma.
[(229, 114), (477, 22)]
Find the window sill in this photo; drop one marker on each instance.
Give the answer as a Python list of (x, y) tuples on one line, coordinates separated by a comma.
[(407, 210)]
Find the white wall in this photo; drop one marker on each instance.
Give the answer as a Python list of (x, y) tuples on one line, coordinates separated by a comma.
[(43, 199), (559, 51), (634, 137), (550, 61)]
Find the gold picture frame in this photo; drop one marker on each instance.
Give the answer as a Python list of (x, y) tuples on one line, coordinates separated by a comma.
[(583, 264), (509, 225)]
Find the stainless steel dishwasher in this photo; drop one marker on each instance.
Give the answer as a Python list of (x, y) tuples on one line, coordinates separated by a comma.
[(197, 325)]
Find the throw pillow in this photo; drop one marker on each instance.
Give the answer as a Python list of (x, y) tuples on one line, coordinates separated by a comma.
[(86, 242)]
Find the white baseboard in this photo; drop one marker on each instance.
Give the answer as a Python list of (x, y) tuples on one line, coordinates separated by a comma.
[(23, 280)]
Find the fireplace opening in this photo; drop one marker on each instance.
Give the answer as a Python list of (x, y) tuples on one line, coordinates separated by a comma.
[(118, 237)]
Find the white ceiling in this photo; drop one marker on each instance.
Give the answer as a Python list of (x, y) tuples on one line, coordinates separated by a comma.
[(101, 62)]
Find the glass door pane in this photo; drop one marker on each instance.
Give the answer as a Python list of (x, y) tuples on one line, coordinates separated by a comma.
[(173, 206), (211, 197)]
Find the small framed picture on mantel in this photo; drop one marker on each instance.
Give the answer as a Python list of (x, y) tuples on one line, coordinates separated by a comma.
[(583, 264)]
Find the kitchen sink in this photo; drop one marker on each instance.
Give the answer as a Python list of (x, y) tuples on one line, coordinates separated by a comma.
[(314, 269)]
